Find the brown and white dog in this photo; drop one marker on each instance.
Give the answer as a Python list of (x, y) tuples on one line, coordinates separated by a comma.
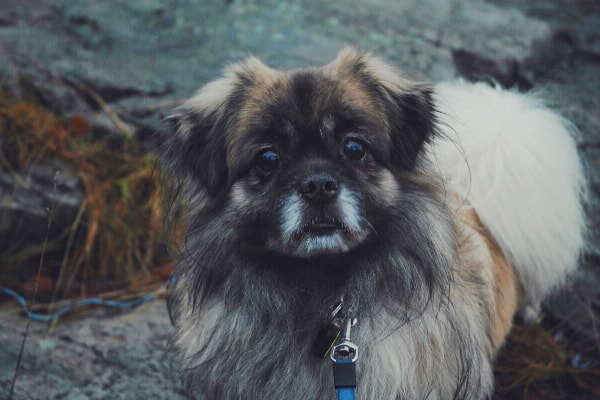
[(435, 211)]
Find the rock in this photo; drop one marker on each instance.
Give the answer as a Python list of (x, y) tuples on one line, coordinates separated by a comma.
[(48, 191), (103, 355), (475, 39), (151, 50)]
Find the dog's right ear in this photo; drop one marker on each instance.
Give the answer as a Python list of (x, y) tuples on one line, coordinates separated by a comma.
[(195, 148), (201, 128)]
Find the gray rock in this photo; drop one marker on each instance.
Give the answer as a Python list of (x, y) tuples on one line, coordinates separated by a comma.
[(131, 53), (48, 191), (103, 355)]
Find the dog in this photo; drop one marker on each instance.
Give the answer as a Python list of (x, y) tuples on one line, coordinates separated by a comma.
[(429, 214)]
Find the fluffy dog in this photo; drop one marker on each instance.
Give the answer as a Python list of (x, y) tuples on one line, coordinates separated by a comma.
[(434, 212)]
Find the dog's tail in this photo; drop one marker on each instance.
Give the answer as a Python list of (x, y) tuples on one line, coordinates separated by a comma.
[(516, 163)]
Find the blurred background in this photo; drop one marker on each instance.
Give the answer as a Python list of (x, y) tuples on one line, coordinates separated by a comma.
[(83, 88)]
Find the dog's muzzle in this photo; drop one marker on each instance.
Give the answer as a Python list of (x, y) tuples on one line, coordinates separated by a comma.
[(323, 216)]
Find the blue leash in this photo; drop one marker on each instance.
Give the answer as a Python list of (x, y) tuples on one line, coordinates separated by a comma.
[(344, 356), (346, 394), (344, 378), (85, 302)]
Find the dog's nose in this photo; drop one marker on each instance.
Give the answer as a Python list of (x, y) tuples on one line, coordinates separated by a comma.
[(319, 188)]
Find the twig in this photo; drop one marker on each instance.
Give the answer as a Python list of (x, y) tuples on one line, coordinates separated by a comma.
[(51, 211), (123, 129), (63, 266)]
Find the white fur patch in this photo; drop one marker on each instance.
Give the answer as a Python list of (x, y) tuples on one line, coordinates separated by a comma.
[(516, 162), (323, 244), (350, 209), (291, 217)]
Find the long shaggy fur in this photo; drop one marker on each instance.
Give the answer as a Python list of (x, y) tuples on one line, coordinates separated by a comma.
[(465, 207), (516, 162)]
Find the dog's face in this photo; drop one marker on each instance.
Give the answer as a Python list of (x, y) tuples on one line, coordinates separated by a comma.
[(306, 162)]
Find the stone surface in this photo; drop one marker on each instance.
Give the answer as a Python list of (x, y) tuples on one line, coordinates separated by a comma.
[(132, 53), (26, 201), (140, 58), (102, 355)]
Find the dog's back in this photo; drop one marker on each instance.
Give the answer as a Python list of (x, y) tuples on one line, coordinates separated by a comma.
[(515, 162)]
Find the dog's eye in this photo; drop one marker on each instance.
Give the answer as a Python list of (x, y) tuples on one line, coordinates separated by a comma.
[(354, 149), (267, 160)]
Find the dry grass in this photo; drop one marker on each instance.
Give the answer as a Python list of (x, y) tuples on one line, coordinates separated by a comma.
[(118, 233), (535, 365)]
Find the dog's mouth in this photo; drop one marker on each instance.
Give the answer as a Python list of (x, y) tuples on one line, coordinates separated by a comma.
[(320, 227), (323, 236)]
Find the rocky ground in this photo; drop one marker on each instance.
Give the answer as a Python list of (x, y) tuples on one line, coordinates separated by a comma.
[(102, 355), (140, 58)]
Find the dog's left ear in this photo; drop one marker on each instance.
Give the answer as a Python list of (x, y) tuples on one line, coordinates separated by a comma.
[(408, 105), (411, 119)]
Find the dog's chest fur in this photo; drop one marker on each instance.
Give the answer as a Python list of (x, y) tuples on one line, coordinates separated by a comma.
[(254, 350)]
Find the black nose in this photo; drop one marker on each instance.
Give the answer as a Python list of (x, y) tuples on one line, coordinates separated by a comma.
[(319, 188)]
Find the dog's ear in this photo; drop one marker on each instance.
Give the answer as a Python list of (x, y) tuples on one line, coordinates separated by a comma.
[(200, 129), (408, 105), (411, 118), (195, 146)]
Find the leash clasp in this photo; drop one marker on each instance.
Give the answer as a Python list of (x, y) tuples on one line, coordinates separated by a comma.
[(345, 351), (344, 356)]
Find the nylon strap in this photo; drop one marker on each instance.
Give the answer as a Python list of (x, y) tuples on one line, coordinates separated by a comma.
[(346, 394), (344, 378)]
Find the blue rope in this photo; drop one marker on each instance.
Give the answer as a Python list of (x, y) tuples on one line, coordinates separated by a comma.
[(85, 302)]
